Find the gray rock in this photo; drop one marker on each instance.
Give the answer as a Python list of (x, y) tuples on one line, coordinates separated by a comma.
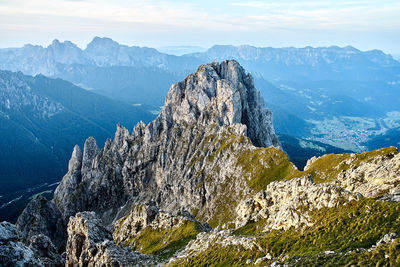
[(387, 239), (279, 202), (12, 251), (148, 215), (8, 232), (44, 249), (166, 161), (42, 216), (69, 192), (90, 244)]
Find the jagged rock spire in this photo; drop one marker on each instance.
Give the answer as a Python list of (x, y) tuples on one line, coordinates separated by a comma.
[(221, 94)]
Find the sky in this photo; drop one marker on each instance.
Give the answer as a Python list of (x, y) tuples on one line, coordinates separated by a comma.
[(363, 24)]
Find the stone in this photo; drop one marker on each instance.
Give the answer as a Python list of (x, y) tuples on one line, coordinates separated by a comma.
[(279, 202), (68, 190), (42, 216), (44, 249), (12, 251), (165, 161), (387, 238), (90, 244)]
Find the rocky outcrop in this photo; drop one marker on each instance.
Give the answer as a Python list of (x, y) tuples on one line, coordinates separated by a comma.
[(148, 215), (169, 160), (287, 204), (42, 216), (371, 174), (44, 249), (372, 177), (138, 219), (90, 244), (68, 194), (223, 238), (12, 251)]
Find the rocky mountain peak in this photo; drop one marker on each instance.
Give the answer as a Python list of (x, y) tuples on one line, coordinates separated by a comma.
[(101, 43), (90, 151), (155, 161), (222, 94)]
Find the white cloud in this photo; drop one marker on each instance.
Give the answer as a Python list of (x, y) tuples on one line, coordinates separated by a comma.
[(209, 21)]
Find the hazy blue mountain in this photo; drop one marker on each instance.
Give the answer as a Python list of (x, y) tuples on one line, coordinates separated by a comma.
[(309, 63), (41, 119), (179, 50), (133, 74)]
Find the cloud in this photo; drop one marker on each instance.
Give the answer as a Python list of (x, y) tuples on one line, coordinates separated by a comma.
[(206, 21), (186, 14)]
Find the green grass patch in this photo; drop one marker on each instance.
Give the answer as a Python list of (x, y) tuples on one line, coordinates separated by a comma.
[(164, 242), (383, 255), (221, 256), (251, 228), (358, 224), (265, 165)]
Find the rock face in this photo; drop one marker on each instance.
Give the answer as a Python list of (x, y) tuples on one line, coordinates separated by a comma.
[(90, 244), (12, 251), (43, 248), (42, 217), (138, 219), (221, 94), (281, 202), (372, 174), (165, 161), (372, 177), (67, 192)]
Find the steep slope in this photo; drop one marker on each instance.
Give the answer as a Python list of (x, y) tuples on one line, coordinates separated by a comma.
[(172, 159), (40, 120)]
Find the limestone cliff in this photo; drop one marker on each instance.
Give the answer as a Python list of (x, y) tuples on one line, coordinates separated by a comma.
[(173, 160)]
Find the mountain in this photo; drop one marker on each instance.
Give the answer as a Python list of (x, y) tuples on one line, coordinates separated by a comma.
[(130, 73), (206, 183), (181, 50), (340, 96), (308, 63), (40, 120)]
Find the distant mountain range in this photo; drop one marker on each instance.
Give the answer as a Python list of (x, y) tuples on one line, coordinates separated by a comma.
[(336, 95), (181, 50)]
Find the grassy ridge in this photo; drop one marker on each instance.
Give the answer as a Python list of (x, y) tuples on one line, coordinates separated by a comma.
[(358, 224)]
